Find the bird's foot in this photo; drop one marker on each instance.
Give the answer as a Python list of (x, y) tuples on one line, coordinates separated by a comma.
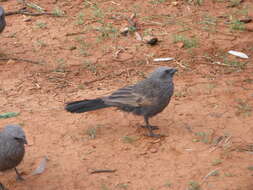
[(150, 127), (19, 177), (153, 135), (2, 187)]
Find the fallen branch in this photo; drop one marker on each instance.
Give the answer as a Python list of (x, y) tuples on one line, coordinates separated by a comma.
[(131, 21), (24, 12), (214, 62), (102, 171), (209, 174), (118, 60), (34, 6), (75, 33), (21, 60)]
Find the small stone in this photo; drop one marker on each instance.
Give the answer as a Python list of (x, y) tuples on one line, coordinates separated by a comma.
[(174, 3), (72, 48), (153, 150), (246, 20), (150, 40), (10, 61), (27, 19), (124, 31), (125, 148), (156, 141), (138, 36), (143, 153), (180, 44), (249, 27)]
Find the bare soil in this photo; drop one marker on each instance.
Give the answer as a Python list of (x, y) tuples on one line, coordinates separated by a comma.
[(81, 55)]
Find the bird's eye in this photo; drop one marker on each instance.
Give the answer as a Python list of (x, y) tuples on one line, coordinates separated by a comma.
[(167, 71)]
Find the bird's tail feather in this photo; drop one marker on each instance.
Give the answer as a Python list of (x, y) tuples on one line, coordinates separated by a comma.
[(85, 105)]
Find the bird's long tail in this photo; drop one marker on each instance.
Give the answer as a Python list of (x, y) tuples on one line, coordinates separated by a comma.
[(85, 105)]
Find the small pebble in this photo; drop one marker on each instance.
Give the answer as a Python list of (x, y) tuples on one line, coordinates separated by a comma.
[(153, 150), (124, 31), (150, 40)]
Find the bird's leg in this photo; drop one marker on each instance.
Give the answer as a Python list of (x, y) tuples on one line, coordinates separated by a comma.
[(19, 177), (150, 128), (2, 187)]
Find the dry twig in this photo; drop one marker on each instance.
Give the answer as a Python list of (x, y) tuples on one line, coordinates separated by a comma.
[(209, 174), (102, 171), (18, 59)]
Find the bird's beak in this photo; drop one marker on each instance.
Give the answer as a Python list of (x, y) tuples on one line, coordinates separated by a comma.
[(25, 141), (174, 71)]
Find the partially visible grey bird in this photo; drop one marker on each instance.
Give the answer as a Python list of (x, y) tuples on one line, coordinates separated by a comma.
[(2, 19), (147, 98), (2, 187), (12, 150)]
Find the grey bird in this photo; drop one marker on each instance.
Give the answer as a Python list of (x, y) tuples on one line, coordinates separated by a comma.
[(12, 150), (2, 19), (146, 98), (2, 187)]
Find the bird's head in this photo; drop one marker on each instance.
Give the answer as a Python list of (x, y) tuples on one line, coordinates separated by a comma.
[(15, 132), (2, 15), (163, 73)]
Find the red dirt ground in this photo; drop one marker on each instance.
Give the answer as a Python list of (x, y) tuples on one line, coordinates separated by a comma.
[(212, 101)]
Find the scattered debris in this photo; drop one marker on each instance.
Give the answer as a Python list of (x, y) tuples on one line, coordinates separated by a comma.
[(8, 115), (114, 3), (138, 36), (42, 166), (131, 21), (132, 28), (222, 141), (163, 59), (102, 171), (24, 12), (34, 6), (211, 173), (107, 75), (27, 19), (40, 11), (131, 25), (238, 54)]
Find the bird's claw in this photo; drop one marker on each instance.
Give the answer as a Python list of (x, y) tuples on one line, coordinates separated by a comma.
[(151, 127), (19, 178), (2, 187), (153, 135)]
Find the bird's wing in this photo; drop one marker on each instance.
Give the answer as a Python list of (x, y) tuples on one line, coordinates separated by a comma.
[(127, 96)]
